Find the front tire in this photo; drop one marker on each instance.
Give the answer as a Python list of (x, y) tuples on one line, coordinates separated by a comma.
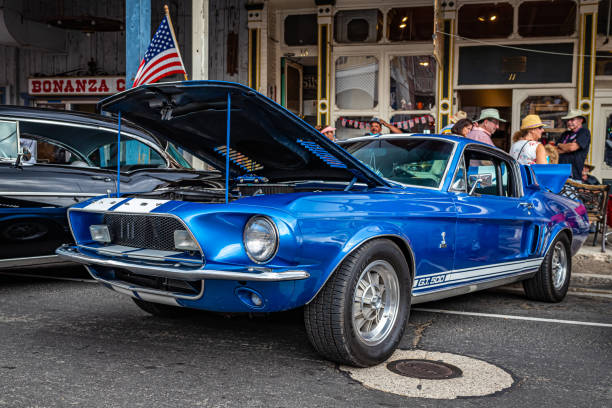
[(551, 282), (359, 316)]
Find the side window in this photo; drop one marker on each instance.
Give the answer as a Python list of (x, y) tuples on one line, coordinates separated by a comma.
[(42, 151), (483, 166), (8, 140), (459, 183), (496, 174), (507, 179), (134, 155)]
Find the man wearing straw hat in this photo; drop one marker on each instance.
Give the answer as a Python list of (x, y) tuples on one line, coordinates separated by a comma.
[(488, 123), (574, 143)]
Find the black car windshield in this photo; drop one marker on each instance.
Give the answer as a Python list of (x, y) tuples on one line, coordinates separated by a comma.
[(412, 161)]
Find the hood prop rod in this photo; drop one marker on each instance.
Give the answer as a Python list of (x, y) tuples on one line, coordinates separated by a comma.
[(119, 154), (227, 147)]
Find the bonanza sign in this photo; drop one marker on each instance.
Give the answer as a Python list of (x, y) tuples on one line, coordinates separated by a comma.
[(76, 85)]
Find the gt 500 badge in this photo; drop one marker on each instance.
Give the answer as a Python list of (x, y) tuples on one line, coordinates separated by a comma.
[(430, 280)]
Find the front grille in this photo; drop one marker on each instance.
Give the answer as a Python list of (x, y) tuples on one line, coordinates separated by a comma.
[(143, 231)]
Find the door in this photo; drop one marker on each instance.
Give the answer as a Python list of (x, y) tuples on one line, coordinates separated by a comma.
[(496, 228), (550, 104), (601, 142), (292, 88)]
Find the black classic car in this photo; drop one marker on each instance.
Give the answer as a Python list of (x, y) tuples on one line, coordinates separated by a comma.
[(52, 159)]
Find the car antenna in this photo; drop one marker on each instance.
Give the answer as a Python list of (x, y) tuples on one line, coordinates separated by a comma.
[(119, 155), (227, 146)]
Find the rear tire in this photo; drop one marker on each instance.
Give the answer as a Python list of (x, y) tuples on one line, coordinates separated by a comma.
[(551, 282), (160, 310), (359, 316)]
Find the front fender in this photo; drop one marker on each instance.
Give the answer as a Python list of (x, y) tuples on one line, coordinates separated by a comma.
[(363, 235)]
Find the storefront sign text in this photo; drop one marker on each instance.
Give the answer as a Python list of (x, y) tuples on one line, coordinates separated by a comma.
[(76, 86)]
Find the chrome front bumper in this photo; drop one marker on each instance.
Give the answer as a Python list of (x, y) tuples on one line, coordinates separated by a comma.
[(74, 254)]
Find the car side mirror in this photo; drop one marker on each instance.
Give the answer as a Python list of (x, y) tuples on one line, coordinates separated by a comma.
[(482, 180), (18, 159)]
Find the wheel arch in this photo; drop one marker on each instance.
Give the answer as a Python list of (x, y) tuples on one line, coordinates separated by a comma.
[(560, 230), (397, 239)]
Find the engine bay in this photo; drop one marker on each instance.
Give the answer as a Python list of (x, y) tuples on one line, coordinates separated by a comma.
[(213, 191)]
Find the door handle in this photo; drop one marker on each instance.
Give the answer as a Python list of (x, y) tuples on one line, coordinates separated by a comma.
[(107, 179), (528, 206)]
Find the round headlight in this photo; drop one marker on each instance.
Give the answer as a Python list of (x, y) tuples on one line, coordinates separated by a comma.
[(260, 239)]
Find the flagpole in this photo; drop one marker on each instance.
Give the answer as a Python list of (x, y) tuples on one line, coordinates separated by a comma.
[(178, 51)]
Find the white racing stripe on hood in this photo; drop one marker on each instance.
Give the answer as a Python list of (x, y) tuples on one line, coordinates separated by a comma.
[(139, 205), (104, 204)]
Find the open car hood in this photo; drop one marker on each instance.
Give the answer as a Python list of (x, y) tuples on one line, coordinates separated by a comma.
[(266, 140)]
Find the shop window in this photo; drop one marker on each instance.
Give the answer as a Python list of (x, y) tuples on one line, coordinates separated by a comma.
[(410, 24), (362, 26), (414, 123), (492, 20), (413, 80), (352, 126), (550, 108), (604, 18), (547, 18), (603, 63), (301, 30), (357, 82)]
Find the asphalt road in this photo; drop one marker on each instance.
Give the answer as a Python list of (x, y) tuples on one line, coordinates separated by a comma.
[(72, 343)]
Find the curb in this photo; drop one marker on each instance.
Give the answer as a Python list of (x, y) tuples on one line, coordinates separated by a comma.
[(591, 281)]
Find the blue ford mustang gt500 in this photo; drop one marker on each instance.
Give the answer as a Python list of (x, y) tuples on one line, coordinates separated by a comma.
[(354, 239)]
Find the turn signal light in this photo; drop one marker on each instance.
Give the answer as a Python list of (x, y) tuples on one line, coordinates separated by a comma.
[(100, 233), (183, 241)]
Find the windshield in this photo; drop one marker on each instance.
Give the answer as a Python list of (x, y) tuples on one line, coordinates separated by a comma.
[(417, 162)]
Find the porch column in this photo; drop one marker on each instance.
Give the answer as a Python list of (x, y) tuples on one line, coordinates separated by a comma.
[(444, 54), (137, 36), (586, 61), (200, 38), (255, 16), (324, 35)]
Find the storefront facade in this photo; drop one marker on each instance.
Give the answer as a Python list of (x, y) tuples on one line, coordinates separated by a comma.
[(342, 62)]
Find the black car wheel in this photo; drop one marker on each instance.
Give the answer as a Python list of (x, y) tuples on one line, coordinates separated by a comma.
[(160, 310), (359, 316), (551, 282), (24, 230)]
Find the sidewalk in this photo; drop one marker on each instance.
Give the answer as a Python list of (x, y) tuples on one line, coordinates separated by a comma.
[(592, 269)]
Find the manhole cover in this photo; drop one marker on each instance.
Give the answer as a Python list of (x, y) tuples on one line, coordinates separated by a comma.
[(431, 374), (424, 369)]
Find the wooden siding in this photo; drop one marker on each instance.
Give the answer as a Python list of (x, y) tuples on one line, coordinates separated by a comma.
[(226, 16), (106, 48)]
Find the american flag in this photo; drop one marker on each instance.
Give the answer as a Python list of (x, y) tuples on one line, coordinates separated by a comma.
[(162, 57)]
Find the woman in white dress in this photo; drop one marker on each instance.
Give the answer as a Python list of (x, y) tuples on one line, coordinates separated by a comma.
[(526, 147)]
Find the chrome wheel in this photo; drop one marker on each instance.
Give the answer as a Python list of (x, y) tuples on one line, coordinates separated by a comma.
[(376, 302), (559, 265)]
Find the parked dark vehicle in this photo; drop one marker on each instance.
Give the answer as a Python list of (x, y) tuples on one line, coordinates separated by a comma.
[(52, 159)]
